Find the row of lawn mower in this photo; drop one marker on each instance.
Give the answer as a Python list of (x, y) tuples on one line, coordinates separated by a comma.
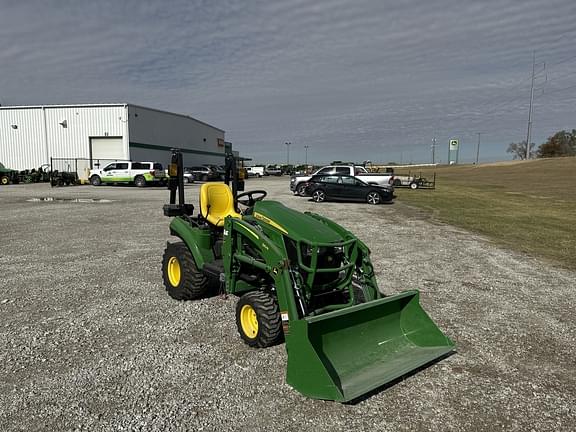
[(43, 174)]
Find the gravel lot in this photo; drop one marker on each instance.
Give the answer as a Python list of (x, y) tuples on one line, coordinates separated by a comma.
[(90, 340)]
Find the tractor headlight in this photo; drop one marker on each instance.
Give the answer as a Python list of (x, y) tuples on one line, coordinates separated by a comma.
[(306, 250)]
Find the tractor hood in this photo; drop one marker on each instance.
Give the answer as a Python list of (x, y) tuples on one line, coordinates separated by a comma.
[(294, 224)]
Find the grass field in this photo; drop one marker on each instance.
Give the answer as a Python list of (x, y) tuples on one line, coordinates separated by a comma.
[(528, 206)]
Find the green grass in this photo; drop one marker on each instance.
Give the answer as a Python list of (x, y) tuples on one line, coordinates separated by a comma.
[(528, 206)]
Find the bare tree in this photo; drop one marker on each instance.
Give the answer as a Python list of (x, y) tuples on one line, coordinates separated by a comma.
[(518, 150)]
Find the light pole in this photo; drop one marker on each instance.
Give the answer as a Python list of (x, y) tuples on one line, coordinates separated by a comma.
[(478, 148), (306, 147), (288, 144)]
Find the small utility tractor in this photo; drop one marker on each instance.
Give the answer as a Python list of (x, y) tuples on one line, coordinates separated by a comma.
[(299, 277), (8, 175)]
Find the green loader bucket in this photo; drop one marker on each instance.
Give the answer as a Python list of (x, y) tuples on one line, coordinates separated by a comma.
[(345, 354)]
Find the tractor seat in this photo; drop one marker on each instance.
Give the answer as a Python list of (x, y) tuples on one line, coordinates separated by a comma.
[(216, 203)]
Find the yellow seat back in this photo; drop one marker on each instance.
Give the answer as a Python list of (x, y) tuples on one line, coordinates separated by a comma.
[(216, 203)]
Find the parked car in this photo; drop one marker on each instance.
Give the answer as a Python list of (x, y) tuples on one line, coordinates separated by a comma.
[(347, 188), (219, 169), (204, 173), (255, 171), (383, 179), (139, 173), (189, 176), (273, 170)]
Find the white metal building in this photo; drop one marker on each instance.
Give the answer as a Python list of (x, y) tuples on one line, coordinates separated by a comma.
[(98, 133)]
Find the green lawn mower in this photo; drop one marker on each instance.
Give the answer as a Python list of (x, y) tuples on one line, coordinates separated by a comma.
[(8, 175), (301, 278)]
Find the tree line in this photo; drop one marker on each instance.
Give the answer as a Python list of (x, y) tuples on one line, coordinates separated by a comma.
[(562, 143)]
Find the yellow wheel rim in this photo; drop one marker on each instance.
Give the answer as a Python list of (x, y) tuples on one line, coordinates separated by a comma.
[(249, 321), (174, 271)]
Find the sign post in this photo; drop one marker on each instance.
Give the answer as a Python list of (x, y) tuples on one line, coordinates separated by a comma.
[(453, 149)]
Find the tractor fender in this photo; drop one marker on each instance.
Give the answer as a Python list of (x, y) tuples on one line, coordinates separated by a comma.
[(195, 239)]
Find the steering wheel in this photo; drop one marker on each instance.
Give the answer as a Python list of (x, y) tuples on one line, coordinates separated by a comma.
[(250, 200)]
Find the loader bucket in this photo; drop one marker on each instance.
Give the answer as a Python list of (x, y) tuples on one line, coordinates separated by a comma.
[(344, 354)]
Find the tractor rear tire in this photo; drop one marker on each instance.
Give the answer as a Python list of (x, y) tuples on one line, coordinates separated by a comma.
[(182, 278), (258, 319)]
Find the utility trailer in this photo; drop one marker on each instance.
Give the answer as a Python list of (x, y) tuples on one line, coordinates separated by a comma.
[(414, 181)]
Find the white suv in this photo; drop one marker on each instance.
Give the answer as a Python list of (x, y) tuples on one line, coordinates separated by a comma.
[(139, 173)]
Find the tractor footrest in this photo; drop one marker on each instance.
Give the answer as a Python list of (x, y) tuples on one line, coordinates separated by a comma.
[(214, 269)]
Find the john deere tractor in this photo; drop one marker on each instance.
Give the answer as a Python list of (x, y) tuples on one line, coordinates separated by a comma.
[(301, 278)]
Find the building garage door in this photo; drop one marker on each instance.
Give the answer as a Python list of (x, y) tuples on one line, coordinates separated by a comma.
[(107, 149)]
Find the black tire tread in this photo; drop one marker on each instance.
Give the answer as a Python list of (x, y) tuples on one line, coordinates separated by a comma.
[(268, 315), (193, 283)]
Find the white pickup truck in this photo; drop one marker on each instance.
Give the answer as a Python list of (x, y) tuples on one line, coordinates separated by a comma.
[(297, 183)]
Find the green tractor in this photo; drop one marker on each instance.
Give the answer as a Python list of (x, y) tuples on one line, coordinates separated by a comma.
[(301, 278), (8, 175)]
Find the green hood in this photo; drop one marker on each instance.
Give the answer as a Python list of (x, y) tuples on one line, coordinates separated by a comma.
[(296, 225)]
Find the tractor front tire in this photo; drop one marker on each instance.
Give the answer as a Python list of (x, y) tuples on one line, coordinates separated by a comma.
[(182, 278), (258, 319), (4, 180)]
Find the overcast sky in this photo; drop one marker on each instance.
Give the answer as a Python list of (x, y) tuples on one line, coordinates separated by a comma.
[(354, 80)]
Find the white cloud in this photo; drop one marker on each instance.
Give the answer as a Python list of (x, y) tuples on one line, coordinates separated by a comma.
[(354, 80)]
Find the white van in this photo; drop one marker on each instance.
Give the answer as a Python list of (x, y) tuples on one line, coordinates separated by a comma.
[(255, 171)]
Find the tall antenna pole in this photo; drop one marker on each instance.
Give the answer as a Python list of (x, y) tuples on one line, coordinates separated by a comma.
[(434, 150), (478, 148), (530, 109)]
